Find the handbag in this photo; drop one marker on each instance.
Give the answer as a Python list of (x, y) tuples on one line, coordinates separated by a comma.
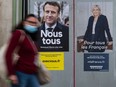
[(3, 70), (43, 74)]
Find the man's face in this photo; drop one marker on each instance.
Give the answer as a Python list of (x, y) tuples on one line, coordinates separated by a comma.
[(50, 14)]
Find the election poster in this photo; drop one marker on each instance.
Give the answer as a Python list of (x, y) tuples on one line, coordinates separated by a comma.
[(95, 31), (54, 25)]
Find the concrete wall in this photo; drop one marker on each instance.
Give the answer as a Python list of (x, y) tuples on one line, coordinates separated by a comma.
[(5, 20), (90, 78)]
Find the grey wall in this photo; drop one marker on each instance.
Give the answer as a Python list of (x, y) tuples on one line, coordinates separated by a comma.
[(73, 74), (62, 78), (5, 20), (89, 78)]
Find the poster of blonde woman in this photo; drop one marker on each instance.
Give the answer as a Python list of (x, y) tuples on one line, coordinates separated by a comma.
[(94, 32)]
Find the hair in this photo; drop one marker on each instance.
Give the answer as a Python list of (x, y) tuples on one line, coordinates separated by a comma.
[(39, 19), (66, 19), (30, 15), (97, 7), (53, 3), (20, 26)]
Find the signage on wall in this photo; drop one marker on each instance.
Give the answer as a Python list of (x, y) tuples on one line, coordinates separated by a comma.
[(96, 62)]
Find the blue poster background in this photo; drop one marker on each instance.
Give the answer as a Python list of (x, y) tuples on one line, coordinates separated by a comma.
[(96, 62)]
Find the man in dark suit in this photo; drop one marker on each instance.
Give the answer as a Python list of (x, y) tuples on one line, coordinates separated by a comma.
[(53, 36), (95, 38)]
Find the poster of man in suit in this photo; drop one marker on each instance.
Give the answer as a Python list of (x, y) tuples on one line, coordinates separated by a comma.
[(53, 33)]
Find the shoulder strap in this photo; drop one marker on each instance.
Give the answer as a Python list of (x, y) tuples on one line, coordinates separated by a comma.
[(21, 39), (22, 36)]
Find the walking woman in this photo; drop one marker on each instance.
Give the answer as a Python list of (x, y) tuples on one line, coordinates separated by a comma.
[(23, 42)]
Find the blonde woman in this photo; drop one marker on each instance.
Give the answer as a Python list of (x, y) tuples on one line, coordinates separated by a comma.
[(95, 38)]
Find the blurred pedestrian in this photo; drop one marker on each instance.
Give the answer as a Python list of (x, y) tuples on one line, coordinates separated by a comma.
[(23, 43)]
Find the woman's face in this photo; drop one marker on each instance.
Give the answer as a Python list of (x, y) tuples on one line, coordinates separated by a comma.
[(31, 21), (31, 24), (96, 11)]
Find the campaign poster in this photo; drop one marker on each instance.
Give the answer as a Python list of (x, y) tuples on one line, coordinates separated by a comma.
[(95, 27), (54, 25)]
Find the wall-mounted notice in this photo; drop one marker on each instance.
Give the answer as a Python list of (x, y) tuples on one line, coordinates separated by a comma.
[(96, 62), (52, 60)]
